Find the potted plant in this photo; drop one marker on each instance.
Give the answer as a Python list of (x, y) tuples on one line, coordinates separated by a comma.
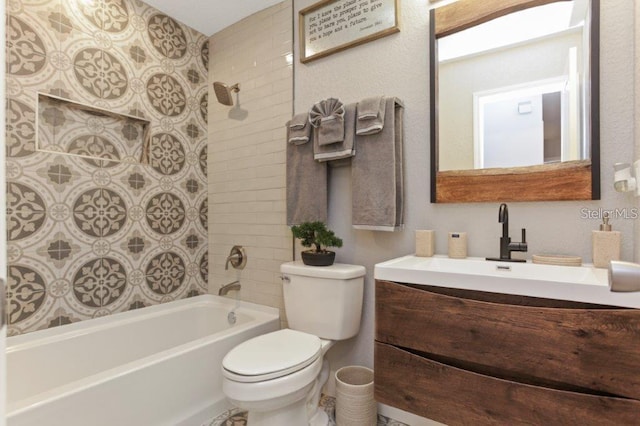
[(317, 236)]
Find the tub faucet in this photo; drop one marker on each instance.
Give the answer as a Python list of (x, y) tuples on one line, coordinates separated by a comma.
[(506, 246), (235, 285)]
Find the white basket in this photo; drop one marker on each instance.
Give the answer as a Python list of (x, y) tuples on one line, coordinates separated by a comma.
[(355, 405)]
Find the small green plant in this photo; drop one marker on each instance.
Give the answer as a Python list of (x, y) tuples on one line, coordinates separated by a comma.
[(316, 235)]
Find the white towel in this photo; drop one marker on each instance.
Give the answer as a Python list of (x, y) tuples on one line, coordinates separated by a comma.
[(370, 114), (377, 175), (339, 150)]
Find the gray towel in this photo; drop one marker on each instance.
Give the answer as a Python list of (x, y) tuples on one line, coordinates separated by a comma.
[(306, 184), (327, 117), (377, 176), (299, 129), (370, 115), (337, 151)]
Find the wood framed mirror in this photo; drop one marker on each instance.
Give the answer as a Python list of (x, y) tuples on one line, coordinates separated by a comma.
[(515, 101)]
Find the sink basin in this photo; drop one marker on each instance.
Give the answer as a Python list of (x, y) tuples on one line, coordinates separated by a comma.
[(577, 283)]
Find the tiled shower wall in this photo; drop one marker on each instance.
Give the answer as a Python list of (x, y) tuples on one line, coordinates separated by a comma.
[(246, 152), (88, 237)]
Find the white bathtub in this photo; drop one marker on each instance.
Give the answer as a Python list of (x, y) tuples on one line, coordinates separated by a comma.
[(159, 365)]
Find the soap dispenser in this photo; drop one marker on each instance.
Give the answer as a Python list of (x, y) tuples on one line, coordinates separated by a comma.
[(606, 244)]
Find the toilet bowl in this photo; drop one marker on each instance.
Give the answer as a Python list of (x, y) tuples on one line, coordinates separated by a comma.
[(278, 377)]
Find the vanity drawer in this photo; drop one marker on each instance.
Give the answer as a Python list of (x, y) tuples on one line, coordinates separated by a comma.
[(582, 349), (454, 396)]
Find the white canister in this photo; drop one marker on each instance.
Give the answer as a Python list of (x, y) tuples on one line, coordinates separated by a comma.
[(355, 404), (457, 245)]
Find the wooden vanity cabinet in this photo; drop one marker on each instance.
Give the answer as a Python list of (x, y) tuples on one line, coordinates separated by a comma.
[(469, 357)]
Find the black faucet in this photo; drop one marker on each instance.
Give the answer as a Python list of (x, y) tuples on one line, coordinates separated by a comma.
[(506, 246)]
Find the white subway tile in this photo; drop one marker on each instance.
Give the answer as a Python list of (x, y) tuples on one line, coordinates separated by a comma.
[(247, 157)]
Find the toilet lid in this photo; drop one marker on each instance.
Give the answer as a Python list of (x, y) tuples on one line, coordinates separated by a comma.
[(271, 355)]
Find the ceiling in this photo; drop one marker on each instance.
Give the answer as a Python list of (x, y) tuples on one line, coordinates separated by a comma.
[(210, 16), (509, 30)]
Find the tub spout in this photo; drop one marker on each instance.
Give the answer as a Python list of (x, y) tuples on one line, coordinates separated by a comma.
[(235, 285)]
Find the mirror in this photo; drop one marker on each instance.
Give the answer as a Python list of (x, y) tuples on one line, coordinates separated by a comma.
[(514, 101)]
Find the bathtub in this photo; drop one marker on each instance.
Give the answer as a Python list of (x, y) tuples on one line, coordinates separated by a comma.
[(159, 365)]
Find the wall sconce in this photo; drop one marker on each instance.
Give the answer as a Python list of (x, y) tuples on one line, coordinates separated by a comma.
[(624, 180), (525, 107)]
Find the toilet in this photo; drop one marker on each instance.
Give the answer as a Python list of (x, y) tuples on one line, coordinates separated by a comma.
[(278, 377)]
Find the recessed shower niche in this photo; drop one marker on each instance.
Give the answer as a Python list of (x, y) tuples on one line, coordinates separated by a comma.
[(93, 133)]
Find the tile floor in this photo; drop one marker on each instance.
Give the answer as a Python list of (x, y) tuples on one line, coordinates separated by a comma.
[(237, 417)]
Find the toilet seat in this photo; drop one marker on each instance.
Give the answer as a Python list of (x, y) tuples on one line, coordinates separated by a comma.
[(271, 356)]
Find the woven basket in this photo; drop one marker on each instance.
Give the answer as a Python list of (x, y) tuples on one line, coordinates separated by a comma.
[(355, 405)]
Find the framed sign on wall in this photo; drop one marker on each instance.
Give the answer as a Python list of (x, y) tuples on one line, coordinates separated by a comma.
[(330, 26)]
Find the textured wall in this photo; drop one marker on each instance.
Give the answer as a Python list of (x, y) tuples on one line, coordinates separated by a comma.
[(398, 65), (88, 238), (246, 152), (637, 121)]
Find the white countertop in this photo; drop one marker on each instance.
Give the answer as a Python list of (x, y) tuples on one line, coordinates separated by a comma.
[(576, 283)]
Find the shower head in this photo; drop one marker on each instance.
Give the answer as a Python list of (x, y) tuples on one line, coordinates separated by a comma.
[(223, 92)]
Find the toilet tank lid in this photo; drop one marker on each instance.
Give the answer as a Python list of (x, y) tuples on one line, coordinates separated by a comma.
[(340, 271)]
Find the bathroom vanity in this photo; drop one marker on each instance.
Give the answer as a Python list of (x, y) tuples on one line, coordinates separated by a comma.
[(466, 341)]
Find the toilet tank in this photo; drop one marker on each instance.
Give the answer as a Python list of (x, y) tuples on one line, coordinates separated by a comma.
[(323, 300)]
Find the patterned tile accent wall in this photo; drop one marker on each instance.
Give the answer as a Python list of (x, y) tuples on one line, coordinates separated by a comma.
[(88, 238), (247, 158)]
